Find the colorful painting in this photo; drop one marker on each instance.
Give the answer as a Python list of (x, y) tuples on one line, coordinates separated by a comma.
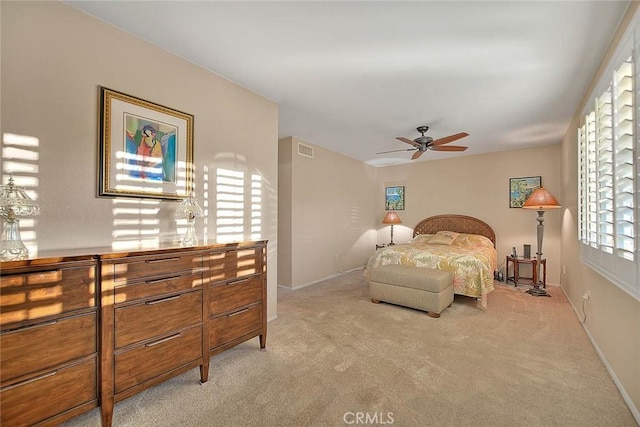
[(146, 149), (394, 198), (521, 188), (150, 149)]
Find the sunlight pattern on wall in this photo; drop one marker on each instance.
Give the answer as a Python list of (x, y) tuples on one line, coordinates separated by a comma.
[(205, 200), (239, 206), (20, 156), (256, 207), (229, 205), (146, 223), (135, 223)]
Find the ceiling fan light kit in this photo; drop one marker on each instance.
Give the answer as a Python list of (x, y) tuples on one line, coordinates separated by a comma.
[(424, 143)]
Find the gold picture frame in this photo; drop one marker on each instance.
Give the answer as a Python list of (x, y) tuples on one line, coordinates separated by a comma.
[(146, 149)]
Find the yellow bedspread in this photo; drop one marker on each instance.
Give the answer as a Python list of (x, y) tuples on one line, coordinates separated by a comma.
[(471, 258)]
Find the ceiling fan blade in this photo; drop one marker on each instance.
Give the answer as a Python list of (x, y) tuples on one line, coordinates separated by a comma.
[(449, 148), (416, 155), (448, 139), (395, 151), (408, 141)]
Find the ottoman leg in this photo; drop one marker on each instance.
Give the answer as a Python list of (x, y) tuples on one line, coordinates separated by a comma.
[(432, 314), (375, 301)]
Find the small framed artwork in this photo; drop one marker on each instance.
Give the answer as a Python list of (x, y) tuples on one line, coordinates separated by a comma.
[(146, 149), (521, 188), (394, 198)]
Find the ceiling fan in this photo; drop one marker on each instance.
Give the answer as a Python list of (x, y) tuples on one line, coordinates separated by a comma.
[(424, 143)]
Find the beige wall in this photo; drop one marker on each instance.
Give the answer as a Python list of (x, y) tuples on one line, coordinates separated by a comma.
[(613, 316), (479, 186), (332, 209), (285, 204), (53, 60)]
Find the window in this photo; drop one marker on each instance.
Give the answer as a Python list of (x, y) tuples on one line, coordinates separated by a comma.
[(608, 179)]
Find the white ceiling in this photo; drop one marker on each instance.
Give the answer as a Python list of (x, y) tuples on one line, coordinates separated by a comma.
[(351, 76)]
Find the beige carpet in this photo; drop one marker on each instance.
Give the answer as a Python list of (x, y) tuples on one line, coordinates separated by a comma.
[(333, 356)]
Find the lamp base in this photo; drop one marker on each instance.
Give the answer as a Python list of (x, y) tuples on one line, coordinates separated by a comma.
[(11, 247), (190, 238), (13, 250), (537, 291)]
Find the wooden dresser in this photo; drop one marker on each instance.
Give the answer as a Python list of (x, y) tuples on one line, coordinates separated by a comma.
[(49, 341), (152, 321), (162, 312), (237, 296)]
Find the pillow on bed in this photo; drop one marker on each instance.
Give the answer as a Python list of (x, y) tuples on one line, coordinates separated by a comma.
[(443, 238), (422, 238), (473, 240)]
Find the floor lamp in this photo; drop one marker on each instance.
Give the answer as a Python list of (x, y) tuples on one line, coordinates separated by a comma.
[(391, 218), (541, 200)]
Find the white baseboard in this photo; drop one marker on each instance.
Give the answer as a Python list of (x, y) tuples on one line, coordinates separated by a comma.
[(339, 273), (623, 392)]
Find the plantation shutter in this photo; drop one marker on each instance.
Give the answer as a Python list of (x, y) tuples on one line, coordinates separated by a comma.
[(608, 175), (624, 174)]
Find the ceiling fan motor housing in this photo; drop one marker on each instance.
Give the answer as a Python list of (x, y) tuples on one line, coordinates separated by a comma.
[(424, 140)]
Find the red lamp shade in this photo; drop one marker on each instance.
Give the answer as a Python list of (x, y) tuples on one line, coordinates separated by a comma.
[(391, 218), (541, 199)]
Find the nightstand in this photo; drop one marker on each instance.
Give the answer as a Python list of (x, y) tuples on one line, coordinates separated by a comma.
[(516, 261)]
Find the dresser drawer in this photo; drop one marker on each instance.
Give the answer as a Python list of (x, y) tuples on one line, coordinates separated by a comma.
[(156, 265), (234, 325), (235, 263), (43, 345), (153, 318), (49, 394), (235, 294), (157, 286), (35, 295), (144, 362)]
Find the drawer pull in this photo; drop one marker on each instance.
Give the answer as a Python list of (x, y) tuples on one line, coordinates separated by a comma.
[(233, 282), (30, 380), (238, 312), (153, 261), (39, 325), (160, 341), (148, 282), (158, 301)]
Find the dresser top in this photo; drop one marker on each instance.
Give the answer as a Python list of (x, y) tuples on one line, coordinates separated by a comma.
[(106, 252)]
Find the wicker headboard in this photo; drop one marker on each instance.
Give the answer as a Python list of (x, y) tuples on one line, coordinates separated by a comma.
[(457, 223)]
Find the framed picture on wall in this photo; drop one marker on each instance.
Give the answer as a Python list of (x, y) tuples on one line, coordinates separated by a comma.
[(521, 188), (394, 198), (146, 149)]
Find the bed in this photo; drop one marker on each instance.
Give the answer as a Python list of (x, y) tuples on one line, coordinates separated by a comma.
[(458, 243)]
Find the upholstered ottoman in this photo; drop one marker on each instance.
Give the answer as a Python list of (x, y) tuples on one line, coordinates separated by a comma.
[(420, 288)]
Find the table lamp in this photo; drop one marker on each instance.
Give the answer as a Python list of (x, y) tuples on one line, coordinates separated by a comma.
[(14, 202), (541, 200), (391, 218), (190, 210)]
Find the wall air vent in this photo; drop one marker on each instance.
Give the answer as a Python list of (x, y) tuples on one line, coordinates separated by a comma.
[(305, 150)]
